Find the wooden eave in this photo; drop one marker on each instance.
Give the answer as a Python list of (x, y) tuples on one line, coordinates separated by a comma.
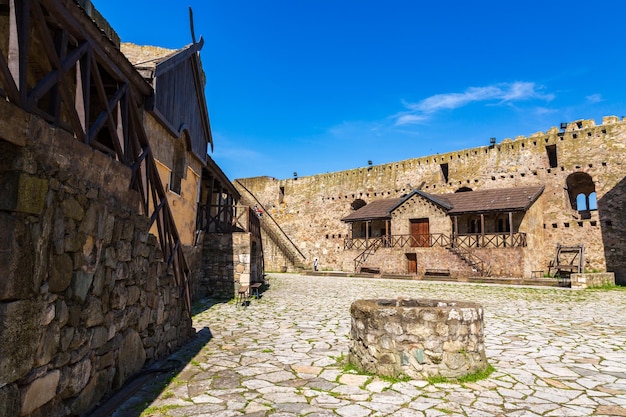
[(216, 171)]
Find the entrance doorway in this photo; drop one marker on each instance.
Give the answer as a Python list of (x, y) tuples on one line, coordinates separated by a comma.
[(420, 234), (412, 258)]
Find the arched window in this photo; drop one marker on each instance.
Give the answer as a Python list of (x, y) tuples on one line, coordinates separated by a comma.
[(463, 190), (593, 204), (357, 204), (581, 202), (582, 191)]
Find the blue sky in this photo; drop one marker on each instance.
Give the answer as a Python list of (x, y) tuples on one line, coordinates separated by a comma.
[(316, 86)]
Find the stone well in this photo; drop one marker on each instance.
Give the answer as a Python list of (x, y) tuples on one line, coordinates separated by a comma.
[(417, 338)]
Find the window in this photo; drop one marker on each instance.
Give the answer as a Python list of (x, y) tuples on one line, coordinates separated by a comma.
[(444, 171), (503, 226), (582, 192), (178, 165), (357, 204), (552, 158)]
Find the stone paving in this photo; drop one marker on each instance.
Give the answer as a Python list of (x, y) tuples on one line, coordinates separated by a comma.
[(556, 352)]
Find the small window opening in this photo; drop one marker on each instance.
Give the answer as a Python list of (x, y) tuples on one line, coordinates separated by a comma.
[(552, 158), (444, 171)]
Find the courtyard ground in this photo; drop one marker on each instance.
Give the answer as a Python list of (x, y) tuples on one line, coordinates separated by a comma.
[(556, 352)]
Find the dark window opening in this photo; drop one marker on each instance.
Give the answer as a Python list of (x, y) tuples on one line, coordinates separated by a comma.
[(178, 165), (281, 194), (357, 204), (503, 226), (552, 159), (582, 193), (474, 226), (463, 190), (444, 171)]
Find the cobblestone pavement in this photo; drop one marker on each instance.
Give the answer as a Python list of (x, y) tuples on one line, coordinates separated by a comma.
[(556, 352)]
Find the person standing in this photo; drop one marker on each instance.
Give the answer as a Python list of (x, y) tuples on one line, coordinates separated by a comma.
[(315, 264)]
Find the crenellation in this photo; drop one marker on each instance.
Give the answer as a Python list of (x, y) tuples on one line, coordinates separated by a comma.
[(540, 159)]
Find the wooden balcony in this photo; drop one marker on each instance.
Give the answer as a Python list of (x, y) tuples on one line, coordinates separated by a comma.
[(441, 240)]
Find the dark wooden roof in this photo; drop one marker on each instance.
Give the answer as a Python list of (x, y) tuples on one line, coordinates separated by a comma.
[(482, 201), (485, 201), (178, 101), (376, 210)]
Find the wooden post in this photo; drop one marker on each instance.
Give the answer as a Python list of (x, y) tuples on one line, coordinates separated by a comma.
[(511, 226), (482, 230)]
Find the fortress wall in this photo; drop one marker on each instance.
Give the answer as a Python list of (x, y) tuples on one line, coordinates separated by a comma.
[(310, 208), (86, 299)]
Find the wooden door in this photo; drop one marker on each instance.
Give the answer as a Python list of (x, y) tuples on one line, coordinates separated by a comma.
[(420, 234), (412, 258)]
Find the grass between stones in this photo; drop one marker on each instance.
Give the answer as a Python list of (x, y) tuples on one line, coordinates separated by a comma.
[(159, 410), (474, 377)]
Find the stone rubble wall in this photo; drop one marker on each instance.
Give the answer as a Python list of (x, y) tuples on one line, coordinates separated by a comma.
[(417, 338), (309, 209), (592, 280), (227, 263), (85, 299)]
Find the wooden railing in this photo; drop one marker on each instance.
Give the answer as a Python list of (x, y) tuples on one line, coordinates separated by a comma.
[(273, 230), (77, 80), (487, 240)]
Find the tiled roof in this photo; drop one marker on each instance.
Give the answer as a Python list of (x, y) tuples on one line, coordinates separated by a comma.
[(376, 210), (482, 201), (497, 199)]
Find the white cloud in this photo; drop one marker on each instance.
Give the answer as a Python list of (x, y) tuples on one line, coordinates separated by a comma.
[(502, 93), (594, 98)]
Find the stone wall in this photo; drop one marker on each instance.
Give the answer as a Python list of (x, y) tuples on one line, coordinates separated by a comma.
[(229, 260), (417, 338), (592, 280), (309, 209), (85, 299)]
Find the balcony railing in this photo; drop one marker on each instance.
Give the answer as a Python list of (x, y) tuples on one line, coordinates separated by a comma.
[(474, 240)]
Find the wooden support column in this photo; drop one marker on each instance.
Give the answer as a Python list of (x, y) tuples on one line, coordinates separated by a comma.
[(511, 227), (387, 240), (455, 232), (482, 230)]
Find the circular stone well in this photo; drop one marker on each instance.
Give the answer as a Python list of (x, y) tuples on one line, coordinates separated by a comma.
[(417, 338)]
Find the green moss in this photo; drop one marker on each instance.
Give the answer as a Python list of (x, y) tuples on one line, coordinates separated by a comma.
[(476, 376), (160, 410)]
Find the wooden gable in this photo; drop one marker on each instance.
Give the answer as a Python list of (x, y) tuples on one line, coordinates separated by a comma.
[(178, 102)]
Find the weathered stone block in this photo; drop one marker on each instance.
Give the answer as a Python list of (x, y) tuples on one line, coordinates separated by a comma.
[(92, 313), (48, 345), (19, 335), (72, 209), (60, 273), (9, 401), (96, 388), (81, 282), (75, 378), (16, 254), (40, 392), (132, 357)]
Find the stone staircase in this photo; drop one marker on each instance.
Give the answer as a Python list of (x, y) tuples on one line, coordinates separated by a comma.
[(471, 260), (272, 230)]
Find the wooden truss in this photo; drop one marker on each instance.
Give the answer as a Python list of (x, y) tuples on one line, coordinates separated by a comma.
[(58, 64)]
